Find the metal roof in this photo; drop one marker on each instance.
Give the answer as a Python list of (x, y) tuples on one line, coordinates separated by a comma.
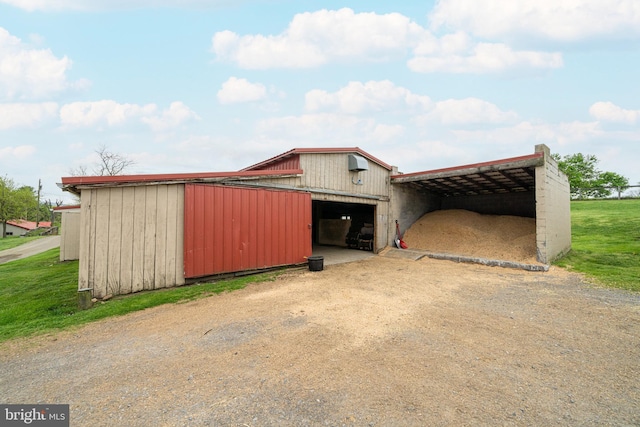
[(73, 183), (515, 174)]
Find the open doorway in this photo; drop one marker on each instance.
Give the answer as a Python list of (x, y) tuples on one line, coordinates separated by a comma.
[(344, 225)]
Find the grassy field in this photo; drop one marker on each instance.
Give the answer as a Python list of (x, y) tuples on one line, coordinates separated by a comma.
[(13, 241), (606, 242), (39, 295)]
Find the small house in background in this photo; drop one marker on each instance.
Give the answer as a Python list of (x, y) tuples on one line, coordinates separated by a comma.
[(143, 232), (20, 227)]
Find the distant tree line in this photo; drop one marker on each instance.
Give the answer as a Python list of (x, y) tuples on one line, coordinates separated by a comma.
[(586, 180)]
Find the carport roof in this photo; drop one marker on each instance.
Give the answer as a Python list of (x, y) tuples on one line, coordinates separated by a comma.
[(515, 174)]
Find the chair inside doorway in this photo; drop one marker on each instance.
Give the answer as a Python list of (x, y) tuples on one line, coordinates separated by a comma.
[(361, 238)]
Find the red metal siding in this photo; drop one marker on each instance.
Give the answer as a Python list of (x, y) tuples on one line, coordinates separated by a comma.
[(229, 229), (288, 163)]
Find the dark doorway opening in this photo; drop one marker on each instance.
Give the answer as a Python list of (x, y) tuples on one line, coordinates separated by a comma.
[(335, 222)]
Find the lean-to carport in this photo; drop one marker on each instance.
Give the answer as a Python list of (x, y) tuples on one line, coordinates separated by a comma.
[(528, 186)]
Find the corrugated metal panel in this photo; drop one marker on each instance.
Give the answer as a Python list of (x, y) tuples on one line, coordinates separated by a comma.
[(287, 163), (230, 229)]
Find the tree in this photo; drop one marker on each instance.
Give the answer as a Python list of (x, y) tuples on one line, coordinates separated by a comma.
[(109, 163), (585, 179), (15, 202)]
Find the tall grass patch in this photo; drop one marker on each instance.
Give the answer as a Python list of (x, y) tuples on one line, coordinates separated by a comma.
[(606, 241)]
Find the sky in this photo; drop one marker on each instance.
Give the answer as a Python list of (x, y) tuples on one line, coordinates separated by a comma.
[(218, 85)]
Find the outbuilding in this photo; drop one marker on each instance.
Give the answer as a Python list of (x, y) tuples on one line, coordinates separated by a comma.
[(142, 232), (20, 227)]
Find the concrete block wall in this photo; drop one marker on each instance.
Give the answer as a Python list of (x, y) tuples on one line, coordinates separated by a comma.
[(408, 204), (553, 210)]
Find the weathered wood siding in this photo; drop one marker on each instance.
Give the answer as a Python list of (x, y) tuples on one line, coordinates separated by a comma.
[(331, 171), (131, 239), (70, 235)]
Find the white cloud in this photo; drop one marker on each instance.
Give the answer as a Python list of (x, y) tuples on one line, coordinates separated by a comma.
[(102, 113), (459, 54), (562, 20), (467, 111), (534, 133), (315, 38), (176, 115), (327, 129), (26, 115), (108, 113), (21, 152), (358, 97), (235, 91), (27, 73), (609, 112)]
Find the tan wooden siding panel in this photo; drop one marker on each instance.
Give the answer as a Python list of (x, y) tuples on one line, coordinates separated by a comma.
[(170, 253), (114, 241), (70, 239), (149, 267), (101, 240), (160, 276), (137, 255), (128, 237), (179, 248), (85, 233), (331, 172)]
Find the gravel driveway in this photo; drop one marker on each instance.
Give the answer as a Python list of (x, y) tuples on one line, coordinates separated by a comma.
[(376, 342)]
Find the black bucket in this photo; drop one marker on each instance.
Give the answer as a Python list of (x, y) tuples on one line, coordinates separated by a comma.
[(316, 263)]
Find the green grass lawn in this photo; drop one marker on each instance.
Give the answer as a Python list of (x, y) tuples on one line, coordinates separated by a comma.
[(39, 294), (13, 241), (606, 242)]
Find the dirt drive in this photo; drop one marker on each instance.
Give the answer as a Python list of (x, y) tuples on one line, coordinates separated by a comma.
[(379, 342)]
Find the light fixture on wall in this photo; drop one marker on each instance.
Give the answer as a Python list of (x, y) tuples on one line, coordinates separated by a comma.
[(357, 164)]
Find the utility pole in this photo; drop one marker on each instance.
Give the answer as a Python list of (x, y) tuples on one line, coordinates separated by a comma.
[(38, 205)]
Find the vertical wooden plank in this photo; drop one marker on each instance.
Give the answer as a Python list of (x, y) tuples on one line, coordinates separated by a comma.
[(137, 256), (188, 230), (171, 238), (180, 198), (149, 267), (86, 238), (101, 233), (252, 228), (261, 241), (114, 241), (127, 238), (160, 278)]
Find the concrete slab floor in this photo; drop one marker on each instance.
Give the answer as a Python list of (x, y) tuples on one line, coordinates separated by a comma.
[(340, 255)]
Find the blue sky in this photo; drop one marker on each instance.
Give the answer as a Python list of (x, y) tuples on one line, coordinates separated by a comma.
[(217, 85)]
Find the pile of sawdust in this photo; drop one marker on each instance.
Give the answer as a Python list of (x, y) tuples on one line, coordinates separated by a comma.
[(461, 232)]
